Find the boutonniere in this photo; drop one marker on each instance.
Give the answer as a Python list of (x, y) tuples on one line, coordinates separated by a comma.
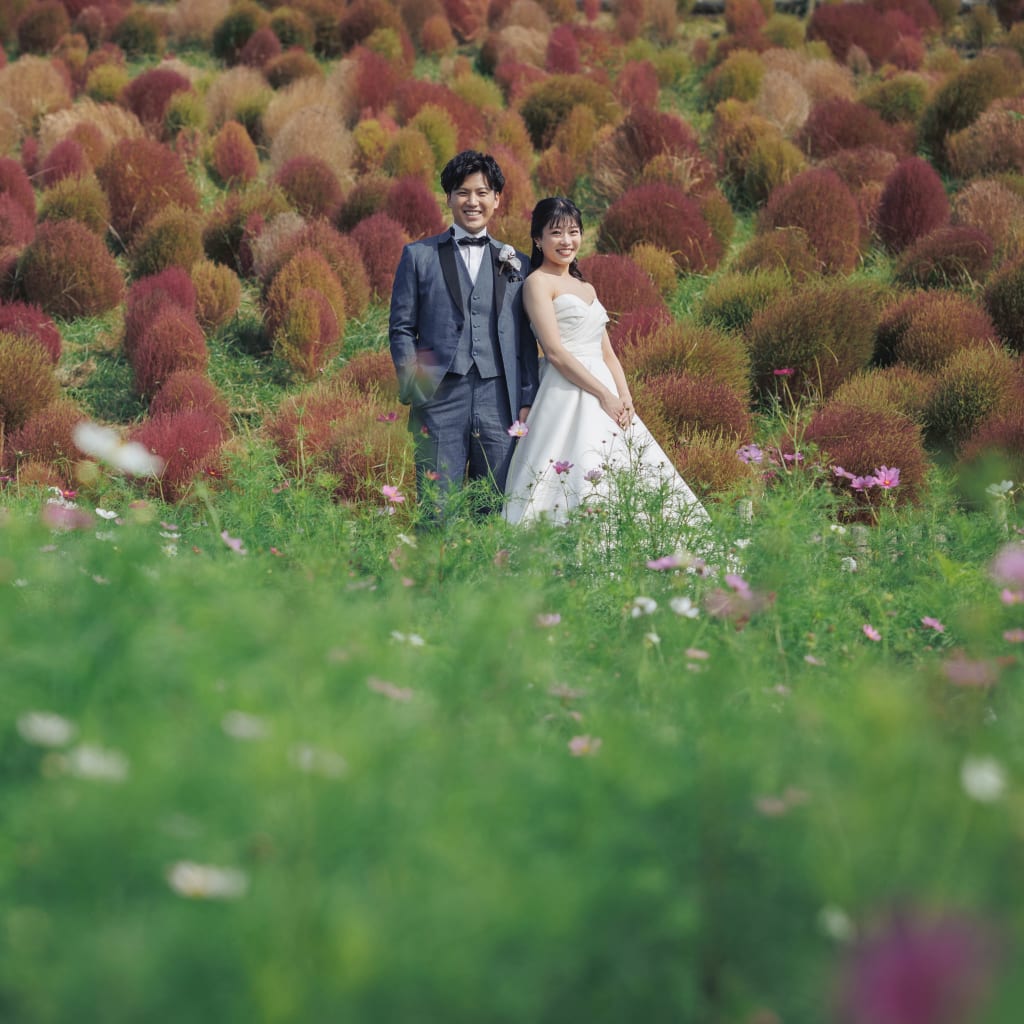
[(508, 263)]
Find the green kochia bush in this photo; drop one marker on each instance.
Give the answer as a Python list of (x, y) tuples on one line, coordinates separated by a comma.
[(815, 337), (550, 101), (1004, 300), (27, 382)]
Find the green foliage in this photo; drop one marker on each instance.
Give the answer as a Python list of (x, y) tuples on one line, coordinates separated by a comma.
[(550, 101), (900, 98), (235, 28), (737, 77), (732, 299), (27, 383), (139, 34), (79, 198), (1004, 300), (172, 237)]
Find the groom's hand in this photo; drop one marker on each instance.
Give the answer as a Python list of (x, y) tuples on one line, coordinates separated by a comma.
[(523, 413)]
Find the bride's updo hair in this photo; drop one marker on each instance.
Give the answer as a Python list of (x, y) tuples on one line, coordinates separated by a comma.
[(553, 212)]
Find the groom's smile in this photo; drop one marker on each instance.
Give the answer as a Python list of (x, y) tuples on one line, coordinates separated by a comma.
[(473, 204)]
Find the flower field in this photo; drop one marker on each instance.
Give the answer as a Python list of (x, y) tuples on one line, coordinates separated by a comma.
[(272, 751)]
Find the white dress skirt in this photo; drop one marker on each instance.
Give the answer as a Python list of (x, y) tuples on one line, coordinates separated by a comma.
[(573, 452)]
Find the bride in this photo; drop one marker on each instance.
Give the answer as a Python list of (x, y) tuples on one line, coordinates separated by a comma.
[(581, 431)]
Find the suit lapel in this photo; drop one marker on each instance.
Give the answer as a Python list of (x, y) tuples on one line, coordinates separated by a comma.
[(500, 280), (447, 255)]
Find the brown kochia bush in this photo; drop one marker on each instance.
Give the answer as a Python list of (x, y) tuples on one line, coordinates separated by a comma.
[(189, 389), (707, 460), (141, 177), (925, 329), (996, 210), (371, 372), (993, 143), (173, 341), (755, 158), (860, 440), (621, 285), (913, 204), (189, 442), (310, 186), (31, 322), (224, 235), (818, 202), (233, 159), (999, 439), (149, 94), (1004, 300), (218, 293), (16, 226), (699, 351), (780, 249), (823, 332), (146, 298), (305, 313), (972, 385), (678, 404), (47, 437), (27, 382), (952, 256), (663, 216), (68, 271)]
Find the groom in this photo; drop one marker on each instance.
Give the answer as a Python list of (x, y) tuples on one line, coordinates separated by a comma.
[(463, 350)]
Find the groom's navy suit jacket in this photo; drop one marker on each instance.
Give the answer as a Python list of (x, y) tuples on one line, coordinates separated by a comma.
[(428, 310)]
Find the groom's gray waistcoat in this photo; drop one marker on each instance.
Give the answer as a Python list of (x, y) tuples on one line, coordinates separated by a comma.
[(479, 341)]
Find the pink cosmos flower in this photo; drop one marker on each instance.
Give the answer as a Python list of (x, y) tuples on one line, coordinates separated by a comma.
[(697, 654), (1010, 597), (518, 429), (785, 371), (870, 632), (862, 483), (1014, 636), (392, 494), (963, 671), (812, 660), (65, 517), (929, 623), (666, 562), (886, 477), (548, 619), (584, 746), (562, 467), (839, 471), (1008, 565), (401, 694), (750, 453), (235, 543), (738, 583), (387, 417), (918, 970), (593, 476)]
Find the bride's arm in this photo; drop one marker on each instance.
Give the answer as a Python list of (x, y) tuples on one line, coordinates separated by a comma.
[(538, 301), (611, 360)]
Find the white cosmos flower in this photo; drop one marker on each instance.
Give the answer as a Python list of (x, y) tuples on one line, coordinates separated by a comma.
[(685, 607), (983, 779), (317, 761), (95, 763), (106, 444), (206, 881), (643, 606), (104, 513), (412, 639), (45, 729), (240, 725)]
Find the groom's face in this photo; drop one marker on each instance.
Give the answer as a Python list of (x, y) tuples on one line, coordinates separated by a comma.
[(473, 204)]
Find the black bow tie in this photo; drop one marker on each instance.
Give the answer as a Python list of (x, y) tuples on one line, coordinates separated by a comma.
[(469, 240)]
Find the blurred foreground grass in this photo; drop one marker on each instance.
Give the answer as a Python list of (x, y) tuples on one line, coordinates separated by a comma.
[(356, 775)]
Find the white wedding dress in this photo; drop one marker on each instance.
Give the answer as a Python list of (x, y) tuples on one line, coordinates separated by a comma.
[(573, 453)]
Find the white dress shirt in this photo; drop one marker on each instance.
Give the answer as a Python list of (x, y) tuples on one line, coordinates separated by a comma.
[(472, 255)]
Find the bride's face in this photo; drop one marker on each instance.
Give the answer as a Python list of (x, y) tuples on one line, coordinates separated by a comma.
[(560, 242)]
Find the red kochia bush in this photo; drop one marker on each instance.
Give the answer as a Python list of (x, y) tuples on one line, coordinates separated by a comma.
[(371, 372), (148, 95), (68, 271), (146, 298), (140, 176), (189, 389), (67, 158), (936, 326), (380, 239), (621, 285), (860, 440), (843, 25), (302, 425), (411, 203), (663, 216), (15, 183), (234, 158), (16, 226), (188, 441), (637, 324), (31, 322), (913, 203), (820, 203), (1000, 438), (686, 403), (173, 341), (563, 52), (260, 49), (41, 27), (836, 123)]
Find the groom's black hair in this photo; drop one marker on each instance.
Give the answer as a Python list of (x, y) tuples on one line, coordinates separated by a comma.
[(468, 162)]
